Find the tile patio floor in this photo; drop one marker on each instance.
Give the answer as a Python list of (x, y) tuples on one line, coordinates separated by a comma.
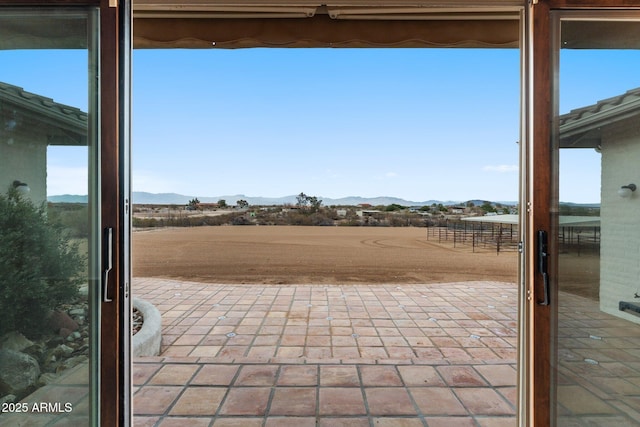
[(410, 355), (371, 355), (353, 355)]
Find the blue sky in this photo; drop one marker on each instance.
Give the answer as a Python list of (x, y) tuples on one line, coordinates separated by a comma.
[(416, 124), (413, 123)]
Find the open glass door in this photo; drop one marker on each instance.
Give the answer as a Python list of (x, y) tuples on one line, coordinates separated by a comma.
[(50, 234), (64, 121), (596, 235)]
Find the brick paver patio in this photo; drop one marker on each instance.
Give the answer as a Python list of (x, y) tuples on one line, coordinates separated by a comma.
[(351, 355), (380, 355), (371, 355)]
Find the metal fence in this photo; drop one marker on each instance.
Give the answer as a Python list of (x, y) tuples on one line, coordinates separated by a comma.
[(478, 235), (504, 237), (579, 239)]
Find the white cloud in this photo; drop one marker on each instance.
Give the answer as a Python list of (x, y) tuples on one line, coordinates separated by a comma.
[(390, 174), (500, 168)]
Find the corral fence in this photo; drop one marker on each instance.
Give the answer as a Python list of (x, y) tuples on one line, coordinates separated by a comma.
[(479, 235), (504, 237), (579, 239)]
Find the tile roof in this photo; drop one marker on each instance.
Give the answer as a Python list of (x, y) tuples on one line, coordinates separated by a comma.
[(581, 127), (61, 116)]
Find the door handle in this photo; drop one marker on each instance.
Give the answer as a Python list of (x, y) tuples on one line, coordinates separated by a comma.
[(543, 265), (107, 261)]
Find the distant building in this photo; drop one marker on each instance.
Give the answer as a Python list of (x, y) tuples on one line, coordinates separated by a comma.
[(368, 213)]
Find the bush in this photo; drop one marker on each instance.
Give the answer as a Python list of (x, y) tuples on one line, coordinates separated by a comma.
[(39, 266)]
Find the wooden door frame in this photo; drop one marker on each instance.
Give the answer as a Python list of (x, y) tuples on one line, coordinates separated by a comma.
[(112, 381), (540, 409), (113, 396)]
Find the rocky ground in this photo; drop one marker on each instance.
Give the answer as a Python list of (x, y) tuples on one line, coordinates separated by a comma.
[(28, 364), (136, 321)]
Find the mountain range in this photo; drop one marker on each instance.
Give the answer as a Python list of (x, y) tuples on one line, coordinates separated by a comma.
[(144, 198)]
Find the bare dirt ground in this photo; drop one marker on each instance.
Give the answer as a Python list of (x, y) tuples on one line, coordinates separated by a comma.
[(311, 255)]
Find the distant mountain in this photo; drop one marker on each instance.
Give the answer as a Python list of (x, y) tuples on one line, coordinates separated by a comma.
[(144, 198), (68, 198), (172, 198), (373, 201)]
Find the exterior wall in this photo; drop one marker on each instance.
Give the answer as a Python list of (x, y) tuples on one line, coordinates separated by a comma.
[(25, 161), (620, 218)]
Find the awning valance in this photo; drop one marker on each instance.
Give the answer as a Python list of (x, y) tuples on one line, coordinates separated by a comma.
[(322, 31), (307, 23)]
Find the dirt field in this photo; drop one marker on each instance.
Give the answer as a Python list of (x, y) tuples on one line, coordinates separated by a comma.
[(289, 254)]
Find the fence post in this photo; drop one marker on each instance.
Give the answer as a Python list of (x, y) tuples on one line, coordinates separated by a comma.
[(446, 230), (473, 237), (455, 232), (579, 246)]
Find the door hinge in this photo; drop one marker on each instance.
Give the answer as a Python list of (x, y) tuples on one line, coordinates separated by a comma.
[(114, 3)]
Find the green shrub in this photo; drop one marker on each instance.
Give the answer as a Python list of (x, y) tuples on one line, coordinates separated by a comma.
[(39, 266)]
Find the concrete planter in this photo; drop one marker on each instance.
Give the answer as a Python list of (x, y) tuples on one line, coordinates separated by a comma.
[(147, 341)]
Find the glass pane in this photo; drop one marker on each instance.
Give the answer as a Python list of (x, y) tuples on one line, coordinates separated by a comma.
[(48, 218), (598, 369)]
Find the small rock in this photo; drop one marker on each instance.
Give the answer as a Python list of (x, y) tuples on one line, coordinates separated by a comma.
[(64, 333), (59, 320), (83, 291), (71, 362), (76, 312), (62, 350), (19, 373), (37, 350), (83, 349), (74, 336), (55, 341), (47, 378), (51, 363), (9, 398), (15, 341)]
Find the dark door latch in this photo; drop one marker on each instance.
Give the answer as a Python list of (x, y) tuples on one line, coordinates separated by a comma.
[(543, 265), (107, 262)]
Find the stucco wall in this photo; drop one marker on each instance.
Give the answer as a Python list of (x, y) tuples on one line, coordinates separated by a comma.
[(25, 161), (620, 218)]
